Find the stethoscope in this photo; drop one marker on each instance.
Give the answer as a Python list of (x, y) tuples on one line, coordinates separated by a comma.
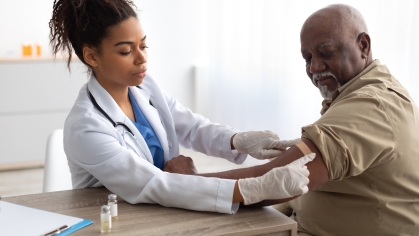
[(115, 124)]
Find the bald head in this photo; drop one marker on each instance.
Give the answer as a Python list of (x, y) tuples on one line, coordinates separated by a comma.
[(344, 20), (336, 46)]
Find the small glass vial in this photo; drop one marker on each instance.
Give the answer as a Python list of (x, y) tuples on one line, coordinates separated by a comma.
[(105, 219), (113, 203)]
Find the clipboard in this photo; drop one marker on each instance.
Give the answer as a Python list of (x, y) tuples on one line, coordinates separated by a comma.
[(21, 220)]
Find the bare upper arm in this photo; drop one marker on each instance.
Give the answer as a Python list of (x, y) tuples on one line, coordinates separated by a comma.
[(318, 171), (317, 168)]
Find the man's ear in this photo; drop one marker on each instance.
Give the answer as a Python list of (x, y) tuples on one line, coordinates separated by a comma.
[(364, 44), (90, 56)]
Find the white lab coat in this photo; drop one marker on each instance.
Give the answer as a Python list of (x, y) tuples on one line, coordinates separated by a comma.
[(100, 155)]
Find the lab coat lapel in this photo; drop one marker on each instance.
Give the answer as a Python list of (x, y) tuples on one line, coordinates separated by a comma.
[(143, 99), (108, 104)]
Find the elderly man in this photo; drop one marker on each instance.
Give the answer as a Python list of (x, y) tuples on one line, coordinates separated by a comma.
[(365, 177)]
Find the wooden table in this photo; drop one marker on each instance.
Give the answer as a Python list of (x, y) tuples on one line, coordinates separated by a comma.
[(147, 219)]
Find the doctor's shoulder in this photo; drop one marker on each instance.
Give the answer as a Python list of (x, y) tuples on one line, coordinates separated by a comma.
[(85, 132), (84, 118)]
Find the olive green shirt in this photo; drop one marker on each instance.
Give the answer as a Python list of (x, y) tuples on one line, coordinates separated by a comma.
[(369, 138)]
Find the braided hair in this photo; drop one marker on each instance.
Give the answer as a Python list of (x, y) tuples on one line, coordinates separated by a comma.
[(77, 23)]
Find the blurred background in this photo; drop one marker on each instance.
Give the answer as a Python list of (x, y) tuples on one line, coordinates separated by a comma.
[(237, 62)]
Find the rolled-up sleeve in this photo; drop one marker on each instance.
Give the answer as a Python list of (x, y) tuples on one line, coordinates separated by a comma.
[(353, 135)]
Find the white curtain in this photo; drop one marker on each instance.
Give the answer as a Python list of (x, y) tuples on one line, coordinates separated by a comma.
[(255, 76)]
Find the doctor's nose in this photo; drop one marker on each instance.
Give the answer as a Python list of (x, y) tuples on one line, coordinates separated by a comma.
[(141, 57)]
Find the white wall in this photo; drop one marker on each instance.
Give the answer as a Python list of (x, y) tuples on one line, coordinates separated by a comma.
[(177, 42), (414, 82)]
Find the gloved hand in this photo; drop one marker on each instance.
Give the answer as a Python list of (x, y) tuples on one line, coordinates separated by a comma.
[(288, 143), (284, 144), (261, 144), (281, 182)]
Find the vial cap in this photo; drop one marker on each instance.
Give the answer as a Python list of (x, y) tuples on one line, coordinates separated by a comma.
[(112, 196), (106, 208)]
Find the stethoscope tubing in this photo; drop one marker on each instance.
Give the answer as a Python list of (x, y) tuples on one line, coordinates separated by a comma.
[(115, 124)]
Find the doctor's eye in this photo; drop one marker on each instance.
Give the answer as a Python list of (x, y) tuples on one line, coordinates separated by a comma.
[(125, 53), (143, 47)]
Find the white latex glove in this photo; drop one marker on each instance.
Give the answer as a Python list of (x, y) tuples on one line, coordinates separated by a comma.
[(281, 182), (261, 144), (288, 143), (258, 144)]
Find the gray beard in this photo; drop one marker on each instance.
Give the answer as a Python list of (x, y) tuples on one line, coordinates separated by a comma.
[(327, 94)]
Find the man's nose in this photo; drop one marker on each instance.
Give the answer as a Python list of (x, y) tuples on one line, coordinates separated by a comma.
[(317, 66)]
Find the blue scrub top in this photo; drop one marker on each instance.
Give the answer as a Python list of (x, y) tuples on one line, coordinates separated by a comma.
[(148, 133)]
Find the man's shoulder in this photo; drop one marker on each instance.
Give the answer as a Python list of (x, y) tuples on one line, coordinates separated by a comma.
[(366, 104), (383, 87), (380, 82), (379, 85)]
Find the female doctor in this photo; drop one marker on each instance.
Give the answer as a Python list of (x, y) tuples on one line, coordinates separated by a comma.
[(123, 128)]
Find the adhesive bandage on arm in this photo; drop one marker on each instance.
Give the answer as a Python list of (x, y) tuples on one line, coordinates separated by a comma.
[(303, 148)]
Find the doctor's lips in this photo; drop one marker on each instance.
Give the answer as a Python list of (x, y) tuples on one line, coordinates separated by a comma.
[(321, 79), (140, 73)]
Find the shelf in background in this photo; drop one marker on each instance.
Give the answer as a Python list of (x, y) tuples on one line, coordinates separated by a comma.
[(22, 165), (18, 59)]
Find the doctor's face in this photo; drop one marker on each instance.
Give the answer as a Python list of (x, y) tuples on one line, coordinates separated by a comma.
[(122, 58)]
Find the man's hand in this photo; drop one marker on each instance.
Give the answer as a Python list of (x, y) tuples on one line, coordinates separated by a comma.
[(261, 144), (279, 183), (181, 165)]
